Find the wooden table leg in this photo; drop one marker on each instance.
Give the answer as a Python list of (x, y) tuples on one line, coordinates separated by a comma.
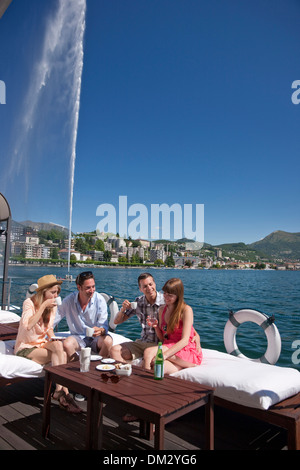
[(94, 421), (89, 422), (146, 430), (159, 434), (47, 405), (100, 425), (209, 423)]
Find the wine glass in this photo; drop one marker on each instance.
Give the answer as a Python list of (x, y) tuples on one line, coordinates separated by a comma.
[(152, 320)]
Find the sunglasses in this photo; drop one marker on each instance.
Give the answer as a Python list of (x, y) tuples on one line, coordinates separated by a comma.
[(114, 378), (85, 274), (83, 277)]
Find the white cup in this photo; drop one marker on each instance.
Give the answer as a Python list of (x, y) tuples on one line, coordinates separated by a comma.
[(57, 300), (85, 359), (89, 331), (133, 305)]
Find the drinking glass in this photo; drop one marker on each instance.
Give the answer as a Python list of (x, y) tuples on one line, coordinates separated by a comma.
[(85, 359), (152, 320)]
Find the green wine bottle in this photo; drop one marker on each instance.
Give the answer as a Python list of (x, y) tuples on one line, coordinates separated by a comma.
[(159, 364)]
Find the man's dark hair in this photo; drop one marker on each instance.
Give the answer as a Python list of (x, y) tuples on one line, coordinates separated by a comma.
[(83, 277), (144, 276)]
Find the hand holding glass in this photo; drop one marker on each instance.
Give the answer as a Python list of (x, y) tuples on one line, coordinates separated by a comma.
[(152, 320)]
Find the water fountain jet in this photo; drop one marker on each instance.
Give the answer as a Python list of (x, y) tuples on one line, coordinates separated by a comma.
[(49, 113)]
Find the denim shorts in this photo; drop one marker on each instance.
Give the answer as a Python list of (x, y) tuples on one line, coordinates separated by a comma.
[(91, 343)]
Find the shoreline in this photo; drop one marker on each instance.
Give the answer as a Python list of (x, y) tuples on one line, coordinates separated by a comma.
[(145, 267)]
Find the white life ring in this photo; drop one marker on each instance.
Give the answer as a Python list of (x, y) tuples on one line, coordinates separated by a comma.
[(31, 290), (113, 309), (273, 351)]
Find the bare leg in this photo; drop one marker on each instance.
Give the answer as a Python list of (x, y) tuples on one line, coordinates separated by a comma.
[(149, 355), (104, 345), (53, 351), (120, 353), (71, 346), (171, 365)]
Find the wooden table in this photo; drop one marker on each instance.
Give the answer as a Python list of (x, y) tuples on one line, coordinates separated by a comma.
[(157, 402), (7, 332)]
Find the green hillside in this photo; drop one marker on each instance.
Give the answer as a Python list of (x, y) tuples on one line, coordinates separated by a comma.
[(279, 244)]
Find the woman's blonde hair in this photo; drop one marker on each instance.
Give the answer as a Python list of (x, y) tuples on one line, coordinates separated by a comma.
[(38, 299), (175, 286)]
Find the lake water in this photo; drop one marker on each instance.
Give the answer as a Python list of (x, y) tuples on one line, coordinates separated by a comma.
[(211, 294)]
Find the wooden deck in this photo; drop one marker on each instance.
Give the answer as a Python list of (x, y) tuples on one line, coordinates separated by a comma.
[(21, 427)]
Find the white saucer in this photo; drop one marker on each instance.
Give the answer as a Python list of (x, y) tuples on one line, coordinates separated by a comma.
[(105, 367), (109, 360), (95, 357)]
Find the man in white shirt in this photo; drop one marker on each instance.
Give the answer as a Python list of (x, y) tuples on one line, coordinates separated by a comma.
[(82, 309)]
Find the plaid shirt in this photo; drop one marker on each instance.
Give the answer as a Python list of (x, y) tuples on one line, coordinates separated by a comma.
[(144, 309)]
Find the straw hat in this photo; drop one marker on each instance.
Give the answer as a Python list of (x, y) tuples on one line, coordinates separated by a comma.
[(47, 281)]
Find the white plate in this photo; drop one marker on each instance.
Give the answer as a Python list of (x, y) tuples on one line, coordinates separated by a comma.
[(108, 361), (95, 357), (57, 338), (105, 367)]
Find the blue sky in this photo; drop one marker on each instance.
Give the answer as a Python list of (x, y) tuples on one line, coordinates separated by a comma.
[(184, 102)]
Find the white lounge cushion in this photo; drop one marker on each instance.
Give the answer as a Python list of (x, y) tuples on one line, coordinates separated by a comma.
[(12, 366), (8, 317), (118, 339), (243, 381)]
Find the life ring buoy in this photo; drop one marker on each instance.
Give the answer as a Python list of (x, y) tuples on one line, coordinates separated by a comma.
[(31, 290), (273, 351), (113, 309)]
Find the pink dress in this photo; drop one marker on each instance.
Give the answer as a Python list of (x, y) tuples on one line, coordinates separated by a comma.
[(189, 353)]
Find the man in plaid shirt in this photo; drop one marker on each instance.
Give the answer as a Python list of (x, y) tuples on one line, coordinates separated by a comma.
[(147, 304)]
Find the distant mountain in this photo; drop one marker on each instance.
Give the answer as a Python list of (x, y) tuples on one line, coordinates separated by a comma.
[(241, 251), (279, 244), (44, 226)]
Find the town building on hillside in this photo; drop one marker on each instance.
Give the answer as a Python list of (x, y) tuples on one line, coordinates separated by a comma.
[(157, 254)]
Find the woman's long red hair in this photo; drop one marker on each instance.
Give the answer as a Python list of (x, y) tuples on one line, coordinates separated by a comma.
[(175, 286)]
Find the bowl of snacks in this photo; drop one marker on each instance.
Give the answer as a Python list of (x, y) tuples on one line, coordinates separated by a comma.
[(123, 369)]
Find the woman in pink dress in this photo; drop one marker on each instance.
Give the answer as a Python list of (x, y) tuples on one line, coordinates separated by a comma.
[(175, 330)]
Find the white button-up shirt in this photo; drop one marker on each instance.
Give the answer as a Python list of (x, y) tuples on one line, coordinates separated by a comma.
[(95, 313)]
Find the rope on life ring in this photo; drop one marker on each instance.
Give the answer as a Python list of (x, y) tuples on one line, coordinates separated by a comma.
[(113, 309), (273, 351)]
